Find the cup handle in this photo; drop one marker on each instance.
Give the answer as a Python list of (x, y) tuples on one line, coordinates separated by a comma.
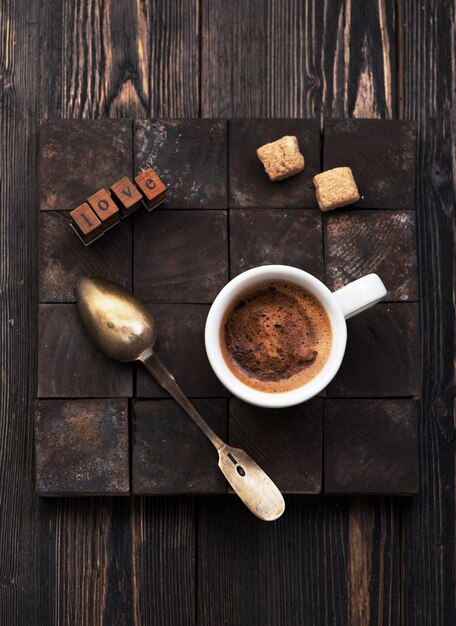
[(360, 295)]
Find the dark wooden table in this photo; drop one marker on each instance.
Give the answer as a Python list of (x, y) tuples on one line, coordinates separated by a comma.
[(206, 561)]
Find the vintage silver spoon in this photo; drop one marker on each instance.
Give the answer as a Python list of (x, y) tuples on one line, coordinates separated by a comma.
[(125, 330)]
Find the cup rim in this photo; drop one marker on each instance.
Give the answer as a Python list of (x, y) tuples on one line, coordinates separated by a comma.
[(215, 317)]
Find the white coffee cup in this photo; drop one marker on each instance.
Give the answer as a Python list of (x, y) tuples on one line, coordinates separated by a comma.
[(339, 305)]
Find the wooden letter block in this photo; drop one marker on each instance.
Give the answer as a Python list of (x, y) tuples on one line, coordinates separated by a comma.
[(126, 195), (105, 207), (153, 189), (86, 224), (371, 446), (286, 443), (171, 456), (82, 447)]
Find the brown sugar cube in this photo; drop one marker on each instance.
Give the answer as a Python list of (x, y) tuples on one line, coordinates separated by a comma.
[(85, 222), (281, 159), (105, 208), (335, 188), (126, 195), (152, 187)]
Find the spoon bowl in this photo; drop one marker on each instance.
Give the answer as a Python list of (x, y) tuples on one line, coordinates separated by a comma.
[(117, 322)]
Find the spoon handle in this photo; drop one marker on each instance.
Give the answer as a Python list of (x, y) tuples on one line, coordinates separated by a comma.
[(164, 377), (248, 480)]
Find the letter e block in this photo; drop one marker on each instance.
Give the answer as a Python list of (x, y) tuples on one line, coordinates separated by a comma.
[(153, 189)]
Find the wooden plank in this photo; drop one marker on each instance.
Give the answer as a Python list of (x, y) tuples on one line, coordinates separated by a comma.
[(108, 60), (81, 447), (180, 329), (287, 573), (83, 552), (170, 455), (286, 443), (427, 48), (270, 236), (370, 446), (118, 59), (381, 155), (164, 561), (249, 185), (383, 354), (19, 52), (295, 59), (189, 156), (374, 556), (70, 365), (77, 158), (173, 262), (63, 260), (383, 242)]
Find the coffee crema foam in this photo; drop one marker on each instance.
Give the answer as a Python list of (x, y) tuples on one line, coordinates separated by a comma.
[(276, 337)]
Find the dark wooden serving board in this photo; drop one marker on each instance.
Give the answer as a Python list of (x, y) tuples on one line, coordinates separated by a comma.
[(107, 428)]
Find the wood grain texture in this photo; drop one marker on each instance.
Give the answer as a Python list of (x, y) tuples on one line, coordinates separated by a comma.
[(270, 236), (427, 84), (164, 561), (173, 263), (63, 259), (271, 436), (249, 185), (189, 156), (295, 59), (78, 158), (381, 155), (160, 465), (70, 365), (128, 59), (382, 359), (180, 333), (18, 226), (289, 573), (81, 447), (370, 446), (374, 573), (382, 242), (83, 552)]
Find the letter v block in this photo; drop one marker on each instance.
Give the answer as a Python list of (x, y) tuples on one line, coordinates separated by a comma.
[(126, 196)]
